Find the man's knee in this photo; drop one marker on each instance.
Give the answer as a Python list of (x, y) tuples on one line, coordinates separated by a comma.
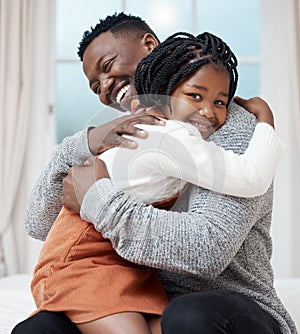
[(186, 315)]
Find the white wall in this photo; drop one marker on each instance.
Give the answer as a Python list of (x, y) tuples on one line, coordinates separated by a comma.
[(281, 87)]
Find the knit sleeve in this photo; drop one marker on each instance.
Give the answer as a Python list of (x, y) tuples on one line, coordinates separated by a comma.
[(200, 242), (44, 203)]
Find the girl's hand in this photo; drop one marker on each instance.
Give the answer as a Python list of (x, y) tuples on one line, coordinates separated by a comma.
[(111, 134), (257, 107)]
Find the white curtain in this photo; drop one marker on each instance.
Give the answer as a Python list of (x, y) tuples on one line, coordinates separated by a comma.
[(281, 88), (26, 130)]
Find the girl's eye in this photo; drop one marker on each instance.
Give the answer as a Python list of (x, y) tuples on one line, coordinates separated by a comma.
[(220, 103), (195, 96)]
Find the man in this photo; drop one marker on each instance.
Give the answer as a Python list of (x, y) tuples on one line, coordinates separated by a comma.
[(110, 68), (176, 244)]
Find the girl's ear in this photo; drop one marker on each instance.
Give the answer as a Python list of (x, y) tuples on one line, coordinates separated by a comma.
[(150, 41)]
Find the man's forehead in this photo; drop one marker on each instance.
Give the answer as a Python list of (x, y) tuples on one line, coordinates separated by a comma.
[(99, 47), (104, 41), (109, 43)]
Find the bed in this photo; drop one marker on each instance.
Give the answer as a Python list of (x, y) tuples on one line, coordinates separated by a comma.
[(16, 302)]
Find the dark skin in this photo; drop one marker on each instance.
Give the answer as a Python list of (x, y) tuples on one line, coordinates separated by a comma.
[(80, 179), (110, 134), (109, 63)]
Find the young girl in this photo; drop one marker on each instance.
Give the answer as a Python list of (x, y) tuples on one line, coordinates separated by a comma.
[(193, 80)]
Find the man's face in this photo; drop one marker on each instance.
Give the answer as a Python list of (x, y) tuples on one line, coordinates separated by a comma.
[(110, 62)]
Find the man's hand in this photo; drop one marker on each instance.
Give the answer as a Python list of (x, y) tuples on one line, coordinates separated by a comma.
[(257, 107), (111, 134), (79, 180)]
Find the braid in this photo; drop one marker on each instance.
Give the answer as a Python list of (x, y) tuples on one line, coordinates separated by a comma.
[(178, 57), (221, 52)]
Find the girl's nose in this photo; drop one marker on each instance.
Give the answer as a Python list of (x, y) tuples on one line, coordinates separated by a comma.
[(206, 110)]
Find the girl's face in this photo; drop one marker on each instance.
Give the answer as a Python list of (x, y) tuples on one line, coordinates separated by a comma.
[(201, 99)]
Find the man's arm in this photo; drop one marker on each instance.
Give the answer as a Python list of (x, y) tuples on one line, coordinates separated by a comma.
[(201, 242), (45, 203)]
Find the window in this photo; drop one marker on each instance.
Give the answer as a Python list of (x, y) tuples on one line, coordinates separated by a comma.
[(238, 23)]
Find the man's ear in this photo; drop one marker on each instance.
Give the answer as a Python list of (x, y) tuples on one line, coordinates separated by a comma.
[(150, 41)]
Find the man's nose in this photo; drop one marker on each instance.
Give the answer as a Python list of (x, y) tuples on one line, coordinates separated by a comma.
[(105, 90)]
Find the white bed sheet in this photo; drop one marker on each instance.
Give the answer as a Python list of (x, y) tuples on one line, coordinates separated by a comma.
[(16, 302)]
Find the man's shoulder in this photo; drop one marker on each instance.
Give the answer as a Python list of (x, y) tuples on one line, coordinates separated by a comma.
[(239, 117), (238, 130)]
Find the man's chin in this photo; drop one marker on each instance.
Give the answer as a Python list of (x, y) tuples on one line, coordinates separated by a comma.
[(120, 107), (125, 104)]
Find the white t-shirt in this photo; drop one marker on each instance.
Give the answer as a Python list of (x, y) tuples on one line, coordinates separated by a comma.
[(175, 154)]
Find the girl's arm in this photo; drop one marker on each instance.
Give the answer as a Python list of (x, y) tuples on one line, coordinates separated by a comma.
[(178, 150), (183, 154)]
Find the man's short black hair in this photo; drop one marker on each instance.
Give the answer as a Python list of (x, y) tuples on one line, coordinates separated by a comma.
[(120, 24)]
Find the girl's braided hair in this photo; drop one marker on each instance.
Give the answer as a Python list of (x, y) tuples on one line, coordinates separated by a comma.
[(177, 58)]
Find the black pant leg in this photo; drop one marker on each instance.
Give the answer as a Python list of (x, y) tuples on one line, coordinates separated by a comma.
[(46, 323), (217, 312)]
